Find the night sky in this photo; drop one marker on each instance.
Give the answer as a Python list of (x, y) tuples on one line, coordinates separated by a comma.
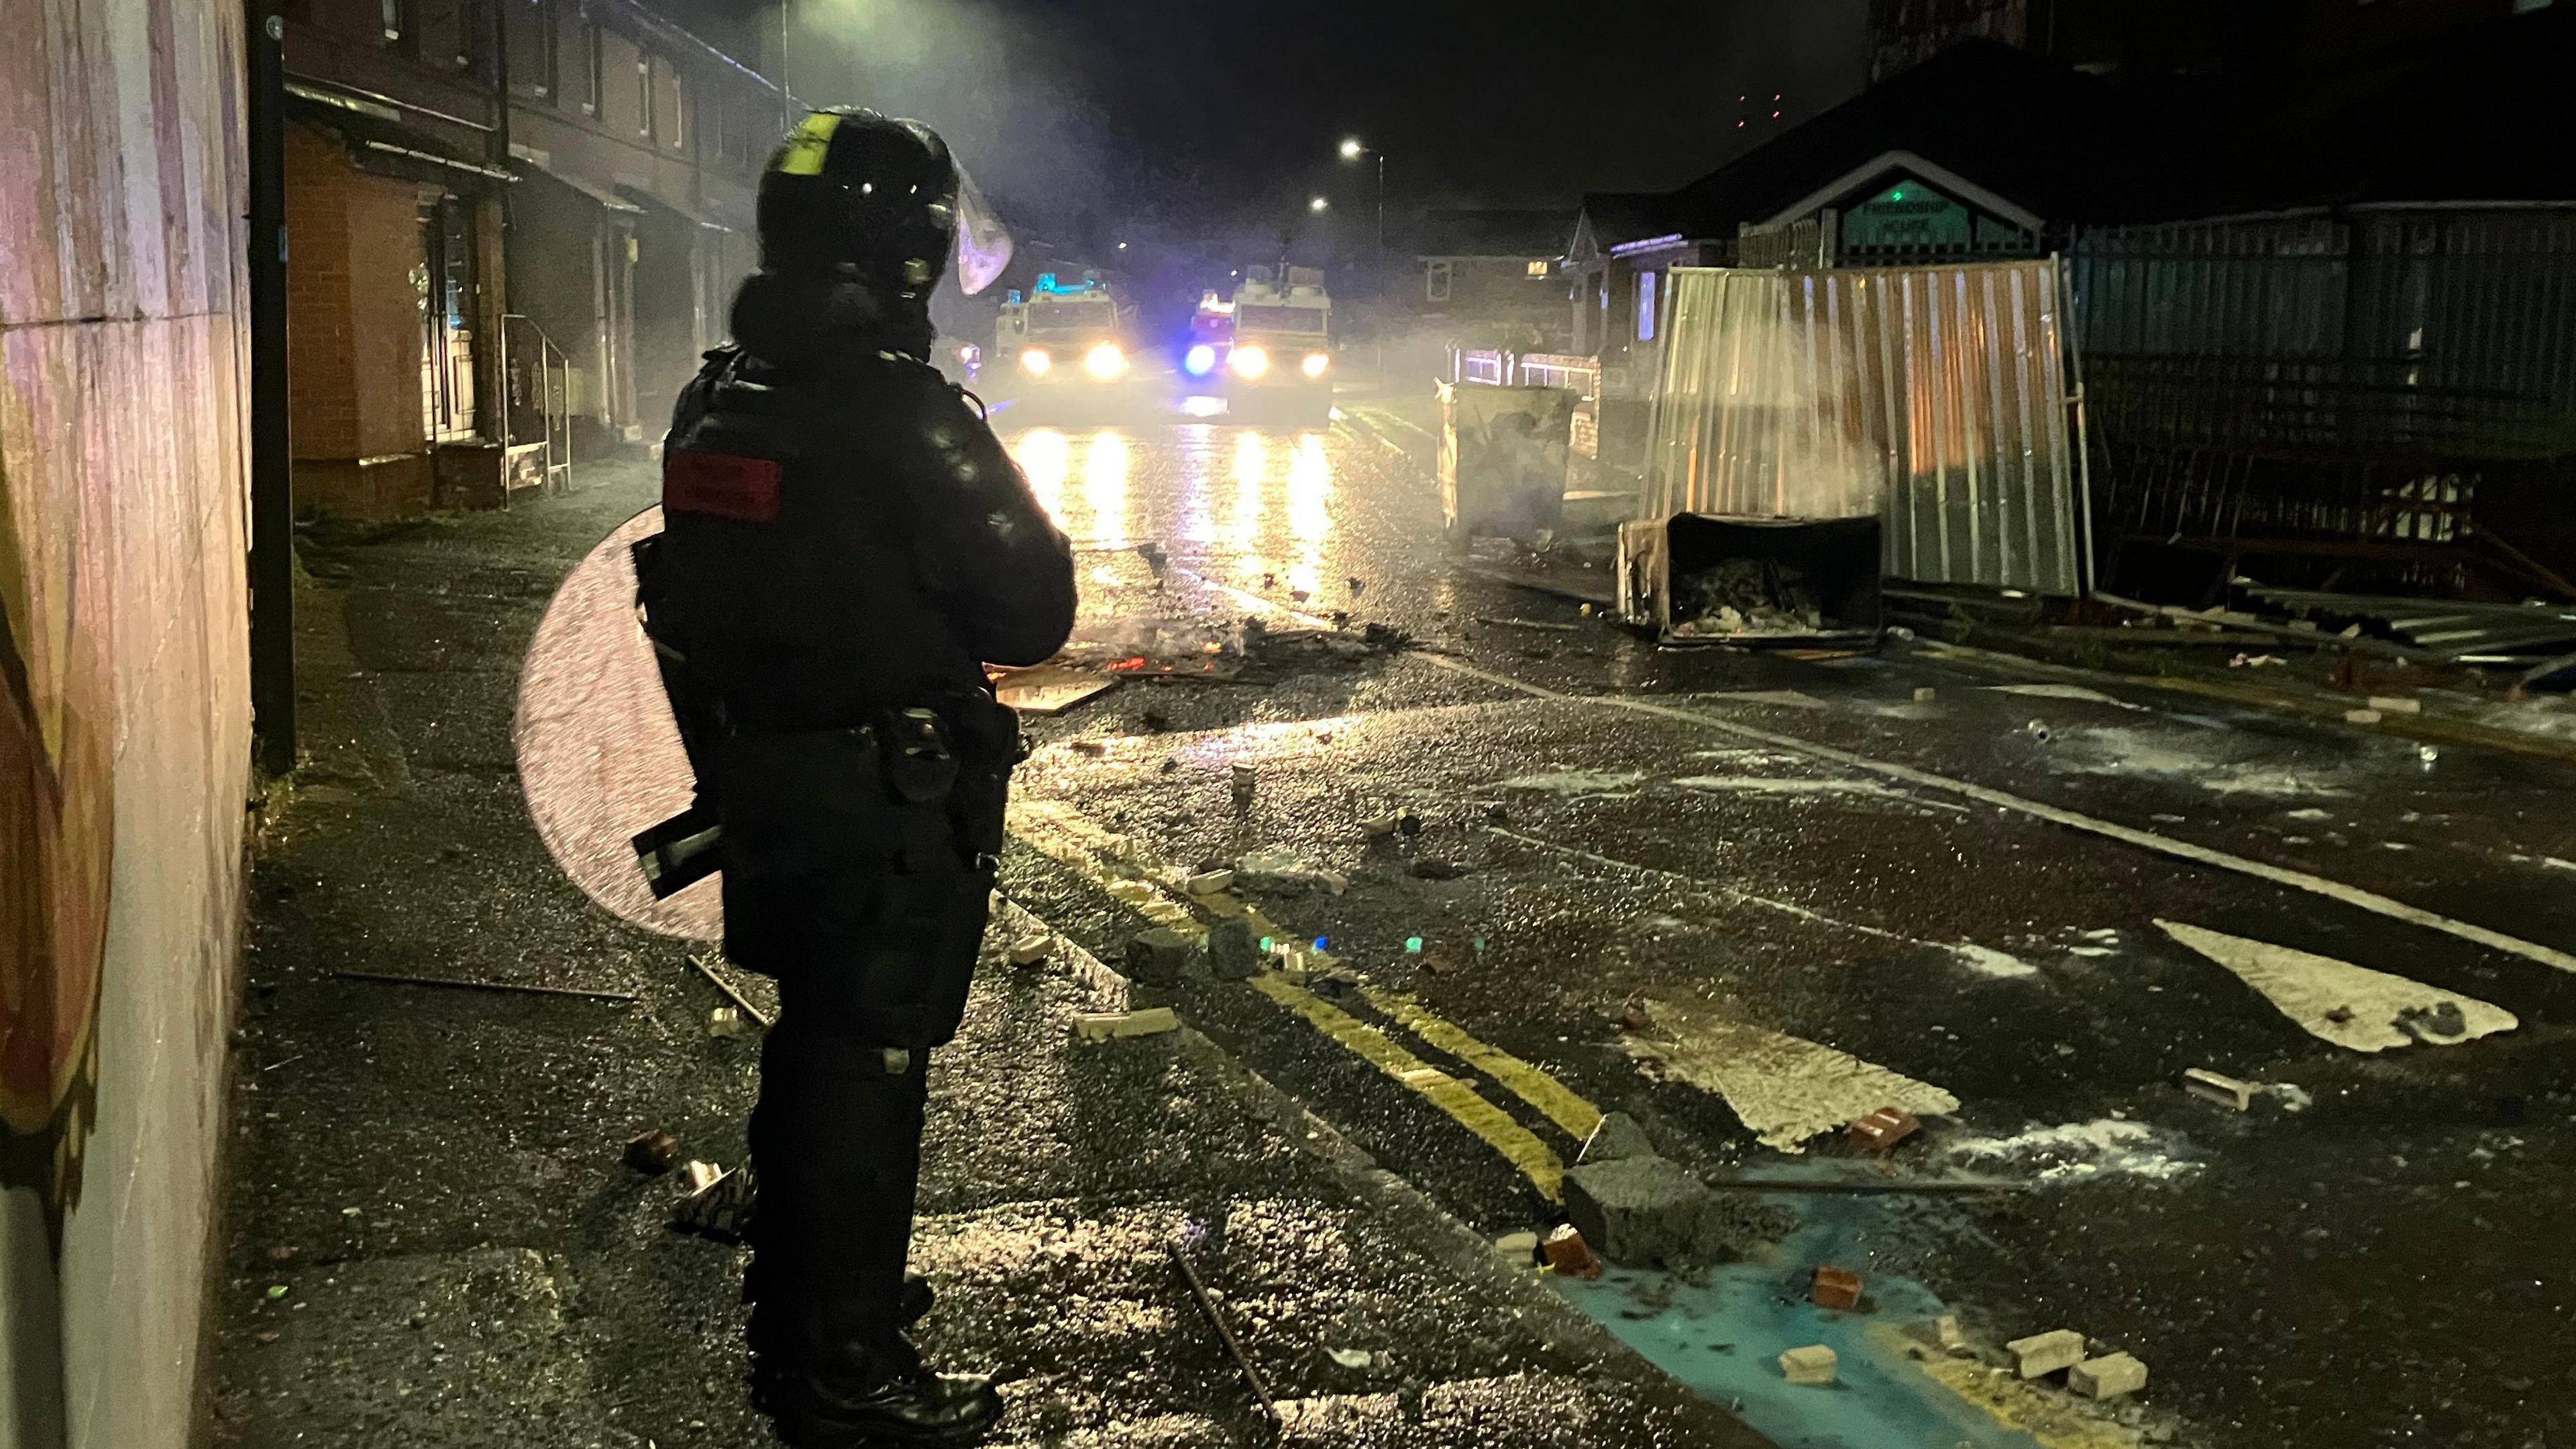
[(1160, 120)]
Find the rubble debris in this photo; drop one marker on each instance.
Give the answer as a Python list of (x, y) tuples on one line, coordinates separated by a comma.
[(1880, 1131), (1926, 695), (1209, 882), (2043, 1354), (650, 1153), (1746, 596), (1567, 1253), (1354, 1358), (2362, 716), (1233, 954), (461, 983), (697, 1177), (2226, 1091), (1947, 1333), (1049, 689), (2038, 730), (2396, 704), (2257, 661), (727, 1022), (1617, 1137), (1277, 871), (1814, 1366), (1154, 557), (706, 968), (1160, 956), (1835, 1288), (721, 1209), (1216, 1319), (1094, 748), (1096, 1026), (1432, 867), (1247, 779), (1518, 1249), (1378, 827), (2107, 1377), (1032, 948), (1638, 1211), (1509, 623)]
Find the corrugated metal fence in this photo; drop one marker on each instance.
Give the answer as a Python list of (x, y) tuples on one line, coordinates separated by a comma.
[(1935, 397)]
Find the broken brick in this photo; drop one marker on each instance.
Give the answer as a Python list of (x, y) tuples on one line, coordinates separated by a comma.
[(1567, 1253), (1881, 1130), (2043, 1354), (1110, 1025), (651, 1153), (1814, 1365), (1835, 1288), (2107, 1377)]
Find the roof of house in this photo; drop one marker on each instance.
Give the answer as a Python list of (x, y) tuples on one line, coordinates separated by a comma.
[(1614, 218), (2062, 145)]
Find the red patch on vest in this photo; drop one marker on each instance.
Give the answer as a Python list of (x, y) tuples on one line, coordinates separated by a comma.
[(721, 484)]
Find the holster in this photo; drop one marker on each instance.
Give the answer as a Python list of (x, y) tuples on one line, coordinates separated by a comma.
[(860, 861)]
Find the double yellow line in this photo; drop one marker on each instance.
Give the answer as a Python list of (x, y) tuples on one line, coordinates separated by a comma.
[(1125, 873)]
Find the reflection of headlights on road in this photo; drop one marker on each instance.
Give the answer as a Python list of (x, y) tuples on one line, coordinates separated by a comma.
[(1200, 360), (1036, 361), (1315, 363), (1104, 361), (1250, 362)]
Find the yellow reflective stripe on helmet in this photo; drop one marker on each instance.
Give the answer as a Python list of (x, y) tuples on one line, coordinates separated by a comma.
[(803, 153)]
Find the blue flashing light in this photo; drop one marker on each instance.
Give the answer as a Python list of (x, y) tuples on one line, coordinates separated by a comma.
[(1199, 361), (1046, 281), (1319, 943)]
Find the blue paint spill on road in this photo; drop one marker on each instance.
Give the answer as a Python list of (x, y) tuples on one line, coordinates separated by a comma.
[(1722, 1334)]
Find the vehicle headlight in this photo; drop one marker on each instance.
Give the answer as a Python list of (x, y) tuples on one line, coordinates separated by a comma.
[(1035, 360), (1200, 360), (969, 355), (1250, 361), (1315, 363), (1104, 361)]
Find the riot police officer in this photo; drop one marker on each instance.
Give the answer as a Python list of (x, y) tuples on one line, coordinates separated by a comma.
[(844, 544)]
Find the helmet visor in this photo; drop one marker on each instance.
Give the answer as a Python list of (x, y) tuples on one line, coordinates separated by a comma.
[(983, 243)]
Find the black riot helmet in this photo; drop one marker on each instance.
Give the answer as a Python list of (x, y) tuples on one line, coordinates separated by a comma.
[(854, 191)]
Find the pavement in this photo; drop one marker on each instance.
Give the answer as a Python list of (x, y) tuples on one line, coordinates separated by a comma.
[(1742, 898)]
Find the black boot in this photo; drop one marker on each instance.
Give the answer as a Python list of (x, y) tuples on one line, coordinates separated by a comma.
[(773, 1341), (885, 1408)]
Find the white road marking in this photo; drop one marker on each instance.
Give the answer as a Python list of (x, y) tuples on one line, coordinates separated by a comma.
[(1575, 782), (2065, 691), (1980, 959), (2337, 1001), (2333, 890), (1784, 1088)]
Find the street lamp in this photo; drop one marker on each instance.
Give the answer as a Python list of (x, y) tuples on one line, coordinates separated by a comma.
[(1319, 205), (1352, 150)]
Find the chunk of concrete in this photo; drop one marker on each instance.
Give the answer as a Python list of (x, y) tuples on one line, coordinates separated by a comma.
[(1111, 1025), (1947, 1333), (1032, 948), (1233, 951), (1814, 1365), (1637, 1211), (2042, 1354), (1835, 1288), (1617, 1137), (1160, 957), (2107, 1377)]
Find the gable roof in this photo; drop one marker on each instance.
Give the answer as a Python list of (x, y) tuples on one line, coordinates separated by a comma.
[(2054, 143)]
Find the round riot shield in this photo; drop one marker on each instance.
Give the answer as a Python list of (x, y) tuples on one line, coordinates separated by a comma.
[(599, 756)]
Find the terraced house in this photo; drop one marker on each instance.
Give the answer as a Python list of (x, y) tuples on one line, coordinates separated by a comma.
[(514, 224)]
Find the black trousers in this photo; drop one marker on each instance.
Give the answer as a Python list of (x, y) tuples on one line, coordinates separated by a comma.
[(866, 898)]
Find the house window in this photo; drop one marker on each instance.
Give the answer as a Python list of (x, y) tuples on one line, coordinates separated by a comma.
[(1538, 268), (643, 96), (594, 68), (1645, 306), (397, 18), (1435, 282), (533, 35)]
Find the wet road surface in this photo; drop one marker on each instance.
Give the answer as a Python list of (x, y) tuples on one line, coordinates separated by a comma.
[(1985, 878)]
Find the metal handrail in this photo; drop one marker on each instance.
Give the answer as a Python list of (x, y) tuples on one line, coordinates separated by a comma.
[(554, 402)]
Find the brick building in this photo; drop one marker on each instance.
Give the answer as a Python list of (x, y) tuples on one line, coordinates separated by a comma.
[(514, 225)]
